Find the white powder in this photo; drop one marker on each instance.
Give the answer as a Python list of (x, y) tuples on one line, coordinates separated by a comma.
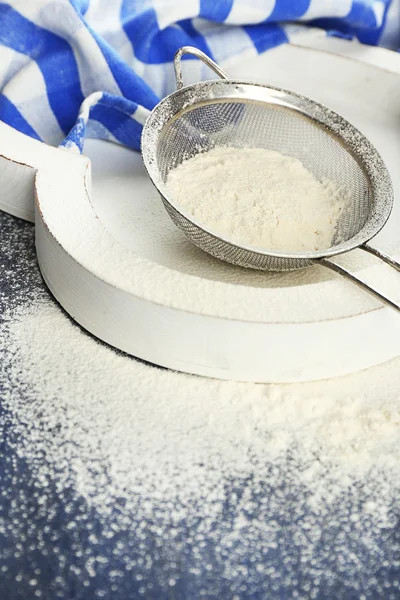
[(260, 483), (258, 197)]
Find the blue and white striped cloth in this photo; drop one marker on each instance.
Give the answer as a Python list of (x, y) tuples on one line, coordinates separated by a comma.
[(70, 68)]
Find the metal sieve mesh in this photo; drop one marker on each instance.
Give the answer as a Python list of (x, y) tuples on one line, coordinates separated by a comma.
[(254, 124)]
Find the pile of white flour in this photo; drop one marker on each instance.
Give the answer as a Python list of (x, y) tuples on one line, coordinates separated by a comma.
[(258, 197), (252, 481)]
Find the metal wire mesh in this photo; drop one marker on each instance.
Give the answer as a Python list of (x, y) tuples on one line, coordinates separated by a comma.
[(247, 123)]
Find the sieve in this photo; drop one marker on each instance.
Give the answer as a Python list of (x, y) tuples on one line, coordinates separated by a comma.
[(240, 114)]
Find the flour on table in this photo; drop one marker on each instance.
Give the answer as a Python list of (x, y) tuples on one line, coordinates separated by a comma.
[(258, 197), (235, 478)]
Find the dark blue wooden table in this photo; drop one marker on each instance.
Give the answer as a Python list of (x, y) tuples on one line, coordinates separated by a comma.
[(41, 557)]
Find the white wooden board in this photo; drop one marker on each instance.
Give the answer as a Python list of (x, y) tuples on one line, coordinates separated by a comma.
[(122, 270)]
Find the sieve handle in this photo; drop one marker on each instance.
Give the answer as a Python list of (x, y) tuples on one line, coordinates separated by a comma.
[(381, 255), (359, 282), (199, 54)]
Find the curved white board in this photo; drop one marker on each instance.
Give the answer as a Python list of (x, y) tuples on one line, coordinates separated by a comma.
[(122, 270)]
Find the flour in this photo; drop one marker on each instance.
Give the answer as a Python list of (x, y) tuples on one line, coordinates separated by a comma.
[(205, 472), (258, 197)]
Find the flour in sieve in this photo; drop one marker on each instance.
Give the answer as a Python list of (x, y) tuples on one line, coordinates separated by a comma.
[(259, 198), (259, 490)]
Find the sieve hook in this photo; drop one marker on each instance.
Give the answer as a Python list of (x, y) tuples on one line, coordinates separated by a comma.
[(199, 54)]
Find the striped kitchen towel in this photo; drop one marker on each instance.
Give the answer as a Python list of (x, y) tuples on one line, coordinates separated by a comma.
[(70, 68)]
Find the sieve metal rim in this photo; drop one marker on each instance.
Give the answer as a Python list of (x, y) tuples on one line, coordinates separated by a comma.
[(216, 91)]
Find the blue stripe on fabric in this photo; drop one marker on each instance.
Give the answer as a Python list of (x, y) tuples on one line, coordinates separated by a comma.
[(360, 22), (369, 37), (266, 36), (141, 30), (364, 33), (362, 14), (76, 136), (125, 129), (215, 10), (130, 8), (165, 44), (114, 114), (154, 46), (131, 85), (127, 107), (336, 28), (287, 10), (340, 34), (333, 26), (54, 58), (11, 115), (384, 23), (81, 6), (212, 10)]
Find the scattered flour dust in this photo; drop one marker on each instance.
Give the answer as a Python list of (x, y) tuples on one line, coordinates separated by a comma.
[(259, 198), (210, 472)]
